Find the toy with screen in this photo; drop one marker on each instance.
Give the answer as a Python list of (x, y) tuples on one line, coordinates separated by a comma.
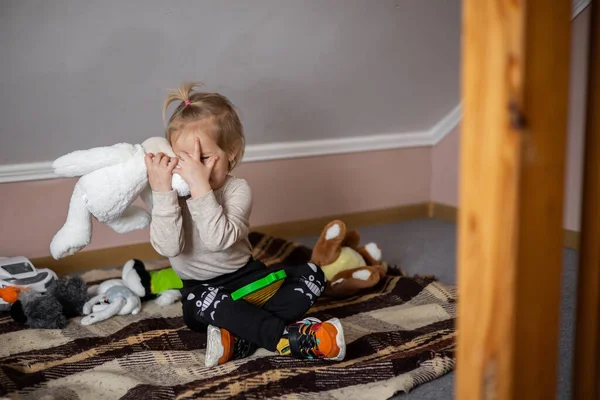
[(18, 274)]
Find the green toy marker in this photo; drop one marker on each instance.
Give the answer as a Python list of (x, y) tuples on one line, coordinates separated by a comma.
[(258, 284)]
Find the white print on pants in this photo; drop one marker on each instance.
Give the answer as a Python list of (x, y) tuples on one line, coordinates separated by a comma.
[(210, 296), (310, 282)]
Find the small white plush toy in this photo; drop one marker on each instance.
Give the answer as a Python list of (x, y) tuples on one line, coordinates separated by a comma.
[(113, 298), (112, 178)]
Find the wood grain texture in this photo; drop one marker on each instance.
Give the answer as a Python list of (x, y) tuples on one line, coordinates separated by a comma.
[(99, 258), (572, 239), (314, 226), (514, 81), (586, 374), (115, 256), (444, 212)]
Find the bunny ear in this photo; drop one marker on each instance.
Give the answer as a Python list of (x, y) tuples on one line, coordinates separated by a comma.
[(352, 239), (157, 144), (329, 246), (82, 162)]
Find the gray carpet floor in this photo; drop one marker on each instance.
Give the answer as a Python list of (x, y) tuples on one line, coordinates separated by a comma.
[(428, 247)]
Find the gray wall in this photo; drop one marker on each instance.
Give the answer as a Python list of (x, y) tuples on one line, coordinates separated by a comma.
[(79, 73)]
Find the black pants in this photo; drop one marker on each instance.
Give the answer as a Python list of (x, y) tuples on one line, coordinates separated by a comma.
[(210, 303)]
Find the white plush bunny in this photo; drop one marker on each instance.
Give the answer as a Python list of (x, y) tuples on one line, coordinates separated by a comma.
[(112, 178)]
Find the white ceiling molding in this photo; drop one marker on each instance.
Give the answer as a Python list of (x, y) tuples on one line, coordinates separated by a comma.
[(285, 150), (311, 148), (446, 125), (579, 6)]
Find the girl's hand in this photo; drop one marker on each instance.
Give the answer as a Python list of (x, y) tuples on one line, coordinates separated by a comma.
[(160, 167), (194, 172)]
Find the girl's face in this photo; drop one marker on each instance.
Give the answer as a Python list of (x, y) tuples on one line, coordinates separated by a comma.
[(185, 142)]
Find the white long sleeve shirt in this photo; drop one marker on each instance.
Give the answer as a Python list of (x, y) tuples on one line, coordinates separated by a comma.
[(204, 237)]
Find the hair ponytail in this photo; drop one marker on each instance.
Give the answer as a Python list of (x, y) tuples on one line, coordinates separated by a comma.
[(215, 110), (182, 95)]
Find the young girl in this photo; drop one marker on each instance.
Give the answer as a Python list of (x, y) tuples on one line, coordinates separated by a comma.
[(205, 237)]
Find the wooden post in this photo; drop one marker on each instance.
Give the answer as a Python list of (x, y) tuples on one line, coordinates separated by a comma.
[(515, 93), (586, 373)]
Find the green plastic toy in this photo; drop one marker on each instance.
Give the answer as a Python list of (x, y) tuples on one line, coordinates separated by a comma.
[(259, 291)]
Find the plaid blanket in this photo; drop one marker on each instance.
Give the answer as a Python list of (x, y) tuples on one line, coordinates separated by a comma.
[(399, 335)]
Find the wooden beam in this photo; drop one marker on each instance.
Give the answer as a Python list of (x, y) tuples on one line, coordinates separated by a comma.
[(515, 90), (448, 213), (586, 373)]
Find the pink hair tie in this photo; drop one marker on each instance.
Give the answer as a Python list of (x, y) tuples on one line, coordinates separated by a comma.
[(187, 102)]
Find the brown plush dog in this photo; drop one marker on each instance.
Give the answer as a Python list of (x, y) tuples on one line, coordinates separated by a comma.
[(348, 267)]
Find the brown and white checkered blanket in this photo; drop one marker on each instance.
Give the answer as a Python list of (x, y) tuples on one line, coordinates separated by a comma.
[(399, 335)]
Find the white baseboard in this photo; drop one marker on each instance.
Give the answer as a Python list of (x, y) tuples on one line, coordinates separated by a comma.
[(283, 150)]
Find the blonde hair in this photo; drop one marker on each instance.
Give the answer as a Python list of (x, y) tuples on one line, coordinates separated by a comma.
[(201, 107)]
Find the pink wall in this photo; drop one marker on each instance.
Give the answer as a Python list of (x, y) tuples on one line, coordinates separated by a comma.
[(445, 155), (284, 190), (444, 169)]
